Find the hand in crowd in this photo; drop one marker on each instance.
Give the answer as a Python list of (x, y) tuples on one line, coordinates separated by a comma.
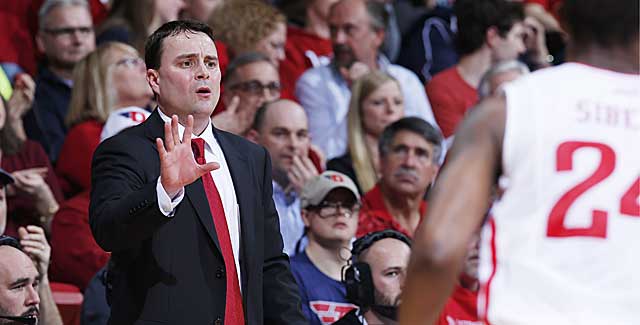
[(22, 98), (535, 42), (178, 166), (32, 181), (300, 172), (35, 244), (357, 70), (235, 119)]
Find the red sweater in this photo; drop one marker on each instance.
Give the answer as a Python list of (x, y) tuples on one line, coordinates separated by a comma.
[(450, 98), (300, 46), (74, 163), (461, 308), (75, 256)]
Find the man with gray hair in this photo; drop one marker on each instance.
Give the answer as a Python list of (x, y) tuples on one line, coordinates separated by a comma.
[(498, 74), (410, 151), (65, 36), (357, 33)]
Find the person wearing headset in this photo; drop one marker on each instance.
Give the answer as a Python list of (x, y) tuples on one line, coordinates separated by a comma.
[(375, 278), (25, 294)]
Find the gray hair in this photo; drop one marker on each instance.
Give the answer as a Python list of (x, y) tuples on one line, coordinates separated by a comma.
[(416, 125), (484, 89), (49, 5), (242, 60)]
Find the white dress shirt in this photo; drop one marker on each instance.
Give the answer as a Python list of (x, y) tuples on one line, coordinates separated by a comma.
[(223, 181)]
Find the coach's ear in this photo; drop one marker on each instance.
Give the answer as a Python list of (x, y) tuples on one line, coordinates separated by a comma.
[(154, 81)]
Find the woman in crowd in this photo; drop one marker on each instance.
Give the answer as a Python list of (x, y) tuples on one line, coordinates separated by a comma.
[(376, 101), (111, 78), (131, 21), (250, 26), (34, 196)]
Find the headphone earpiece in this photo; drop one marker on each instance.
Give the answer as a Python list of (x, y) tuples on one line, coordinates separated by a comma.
[(359, 284)]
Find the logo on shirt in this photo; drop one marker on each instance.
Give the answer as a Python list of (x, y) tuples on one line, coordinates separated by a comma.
[(328, 311), (134, 116)]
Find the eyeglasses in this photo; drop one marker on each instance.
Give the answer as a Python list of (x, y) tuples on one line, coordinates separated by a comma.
[(255, 87), (334, 209), (69, 31), (130, 62)]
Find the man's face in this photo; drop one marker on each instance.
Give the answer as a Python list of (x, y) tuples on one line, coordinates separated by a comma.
[(66, 36), (388, 259), (285, 134), (18, 284), (255, 84), (273, 45), (188, 79), (409, 165), (352, 36), (335, 220), (511, 45)]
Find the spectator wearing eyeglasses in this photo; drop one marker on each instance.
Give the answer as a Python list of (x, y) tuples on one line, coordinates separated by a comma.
[(330, 204), (65, 37), (250, 80), (409, 150)]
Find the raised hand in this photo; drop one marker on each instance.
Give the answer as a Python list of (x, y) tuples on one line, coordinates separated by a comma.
[(22, 98), (35, 244), (300, 172), (178, 167)]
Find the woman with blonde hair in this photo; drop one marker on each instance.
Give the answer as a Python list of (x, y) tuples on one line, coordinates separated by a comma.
[(112, 77), (376, 101), (250, 26)]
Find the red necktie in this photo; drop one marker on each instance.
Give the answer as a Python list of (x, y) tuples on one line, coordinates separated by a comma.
[(233, 309)]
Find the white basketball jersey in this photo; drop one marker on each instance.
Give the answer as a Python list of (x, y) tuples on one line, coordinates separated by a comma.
[(563, 244)]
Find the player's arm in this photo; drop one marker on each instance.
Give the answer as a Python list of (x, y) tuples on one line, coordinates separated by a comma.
[(456, 208)]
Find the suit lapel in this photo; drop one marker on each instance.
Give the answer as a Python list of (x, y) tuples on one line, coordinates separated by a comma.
[(242, 177)]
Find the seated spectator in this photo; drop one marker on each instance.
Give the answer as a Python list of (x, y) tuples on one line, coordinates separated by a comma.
[(462, 306), (131, 22), (30, 254), (110, 78), (33, 198), (488, 32), (251, 80), (375, 278), (498, 74), (308, 44), (65, 36), (281, 127), (199, 10), (75, 255), (376, 102), (250, 26), (410, 151), (329, 210), (357, 31)]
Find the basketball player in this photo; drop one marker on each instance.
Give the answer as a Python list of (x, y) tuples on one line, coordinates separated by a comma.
[(561, 245)]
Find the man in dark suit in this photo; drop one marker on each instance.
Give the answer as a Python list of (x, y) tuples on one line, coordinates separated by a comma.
[(193, 230)]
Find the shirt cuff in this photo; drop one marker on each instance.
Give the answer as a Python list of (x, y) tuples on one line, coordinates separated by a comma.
[(165, 203)]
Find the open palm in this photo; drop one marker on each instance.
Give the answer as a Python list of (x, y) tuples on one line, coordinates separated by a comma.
[(178, 167)]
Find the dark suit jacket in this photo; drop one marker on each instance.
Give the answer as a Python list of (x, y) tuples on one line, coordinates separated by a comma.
[(171, 270)]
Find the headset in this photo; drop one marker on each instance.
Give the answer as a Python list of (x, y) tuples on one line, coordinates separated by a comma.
[(357, 276), (30, 320)]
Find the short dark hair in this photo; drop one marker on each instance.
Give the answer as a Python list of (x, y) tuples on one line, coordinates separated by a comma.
[(242, 60), (475, 17), (600, 22), (415, 125), (153, 47)]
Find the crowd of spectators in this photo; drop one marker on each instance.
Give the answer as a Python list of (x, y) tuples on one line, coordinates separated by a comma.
[(357, 102)]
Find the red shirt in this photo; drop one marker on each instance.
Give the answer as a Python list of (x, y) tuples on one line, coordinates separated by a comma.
[(450, 98), (74, 162), (374, 215), (303, 51), (75, 256), (461, 308)]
